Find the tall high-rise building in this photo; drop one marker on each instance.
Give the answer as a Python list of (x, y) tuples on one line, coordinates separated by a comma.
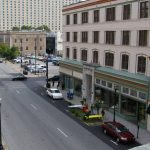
[(16, 13)]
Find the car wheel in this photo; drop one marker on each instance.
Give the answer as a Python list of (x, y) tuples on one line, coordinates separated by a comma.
[(104, 130), (118, 140)]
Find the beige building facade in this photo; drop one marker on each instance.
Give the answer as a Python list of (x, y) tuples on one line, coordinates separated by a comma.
[(28, 42), (106, 55)]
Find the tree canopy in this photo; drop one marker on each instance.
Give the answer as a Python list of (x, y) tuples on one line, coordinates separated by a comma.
[(26, 27), (7, 52)]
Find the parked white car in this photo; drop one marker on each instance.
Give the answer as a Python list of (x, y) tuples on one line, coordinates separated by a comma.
[(54, 93)]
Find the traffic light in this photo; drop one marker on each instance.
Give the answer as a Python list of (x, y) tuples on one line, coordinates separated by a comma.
[(148, 109)]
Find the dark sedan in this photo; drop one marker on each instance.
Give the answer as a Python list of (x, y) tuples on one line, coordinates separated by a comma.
[(19, 77), (118, 131)]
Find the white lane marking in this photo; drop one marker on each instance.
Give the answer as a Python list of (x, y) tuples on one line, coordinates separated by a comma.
[(33, 106), (114, 142), (62, 132), (18, 91)]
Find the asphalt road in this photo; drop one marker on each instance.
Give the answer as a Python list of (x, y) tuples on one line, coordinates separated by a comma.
[(31, 120), (31, 123)]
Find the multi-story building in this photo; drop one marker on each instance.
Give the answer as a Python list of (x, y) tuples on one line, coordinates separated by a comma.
[(106, 50), (27, 42), (32, 13)]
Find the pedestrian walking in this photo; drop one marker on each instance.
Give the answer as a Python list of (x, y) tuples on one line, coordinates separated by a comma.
[(103, 114), (58, 84), (53, 83)]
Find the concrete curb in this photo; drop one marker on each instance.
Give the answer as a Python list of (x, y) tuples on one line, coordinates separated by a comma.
[(5, 146)]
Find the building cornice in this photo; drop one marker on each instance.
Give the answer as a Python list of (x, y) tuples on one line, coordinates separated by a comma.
[(96, 2)]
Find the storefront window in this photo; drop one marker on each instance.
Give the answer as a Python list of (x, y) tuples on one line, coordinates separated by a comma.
[(142, 95), (103, 83), (109, 85), (133, 93), (98, 81), (125, 90), (141, 113), (128, 106)]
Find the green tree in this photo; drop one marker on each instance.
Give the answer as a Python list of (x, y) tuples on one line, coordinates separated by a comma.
[(15, 29), (43, 27), (8, 53), (24, 27)]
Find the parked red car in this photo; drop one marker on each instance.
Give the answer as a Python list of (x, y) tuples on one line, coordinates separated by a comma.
[(118, 131)]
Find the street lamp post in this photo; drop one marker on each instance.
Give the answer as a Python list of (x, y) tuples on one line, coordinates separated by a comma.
[(47, 84), (114, 119), (1, 146), (35, 56), (21, 51)]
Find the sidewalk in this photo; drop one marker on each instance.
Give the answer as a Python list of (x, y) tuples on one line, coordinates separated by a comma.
[(143, 136)]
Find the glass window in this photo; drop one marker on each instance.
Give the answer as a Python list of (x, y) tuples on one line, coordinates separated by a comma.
[(109, 84), (144, 9), (125, 37), (74, 53), (74, 36), (126, 12), (110, 37), (84, 37), (67, 19), (84, 17), (133, 92), (95, 57), (103, 83), (67, 52), (142, 95), (75, 18), (109, 59), (110, 14), (141, 68), (125, 90), (143, 38), (67, 36), (128, 106), (96, 15), (125, 61), (98, 81), (84, 55), (96, 36)]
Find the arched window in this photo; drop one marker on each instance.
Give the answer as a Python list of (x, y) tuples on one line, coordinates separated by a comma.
[(27, 48), (141, 68), (109, 59), (95, 57), (84, 55), (125, 61)]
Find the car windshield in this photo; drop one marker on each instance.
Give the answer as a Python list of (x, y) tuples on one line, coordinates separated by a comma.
[(55, 91), (121, 129)]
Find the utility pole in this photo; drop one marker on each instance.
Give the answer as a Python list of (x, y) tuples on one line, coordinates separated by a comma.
[(115, 97), (21, 51), (47, 84), (35, 55), (1, 146)]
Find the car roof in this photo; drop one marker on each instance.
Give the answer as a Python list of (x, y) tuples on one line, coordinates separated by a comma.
[(117, 124), (53, 89)]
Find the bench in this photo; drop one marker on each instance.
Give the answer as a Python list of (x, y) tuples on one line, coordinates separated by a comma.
[(86, 117)]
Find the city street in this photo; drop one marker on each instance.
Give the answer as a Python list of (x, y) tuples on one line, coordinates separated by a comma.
[(30, 122)]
